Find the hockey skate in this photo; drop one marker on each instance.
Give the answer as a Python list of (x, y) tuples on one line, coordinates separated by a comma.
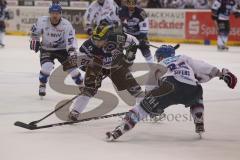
[(129, 121), (116, 133), (222, 48), (2, 45), (42, 90), (73, 115), (199, 124)]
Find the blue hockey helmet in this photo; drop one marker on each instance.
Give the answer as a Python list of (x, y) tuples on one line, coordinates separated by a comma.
[(165, 51), (55, 7)]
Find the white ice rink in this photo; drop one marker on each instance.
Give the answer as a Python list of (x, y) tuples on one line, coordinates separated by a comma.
[(167, 140)]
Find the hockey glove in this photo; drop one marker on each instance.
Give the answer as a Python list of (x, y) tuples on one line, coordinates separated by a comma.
[(125, 62), (35, 45), (72, 58), (89, 31), (229, 78), (237, 14), (143, 41)]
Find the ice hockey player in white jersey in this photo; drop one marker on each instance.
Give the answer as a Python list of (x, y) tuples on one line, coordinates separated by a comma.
[(54, 36), (178, 82), (97, 10)]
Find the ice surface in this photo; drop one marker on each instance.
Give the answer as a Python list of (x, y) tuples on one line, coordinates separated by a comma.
[(167, 140)]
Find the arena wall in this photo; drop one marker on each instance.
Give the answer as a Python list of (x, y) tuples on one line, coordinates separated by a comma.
[(166, 25)]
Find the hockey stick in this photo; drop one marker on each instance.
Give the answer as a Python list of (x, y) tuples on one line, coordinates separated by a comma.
[(37, 121), (35, 127), (175, 47)]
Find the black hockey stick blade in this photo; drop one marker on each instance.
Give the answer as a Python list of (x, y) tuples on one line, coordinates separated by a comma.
[(34, 127), (24, 125), (176, 46)]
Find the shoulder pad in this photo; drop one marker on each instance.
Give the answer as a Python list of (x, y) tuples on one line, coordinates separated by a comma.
[(143, 14)]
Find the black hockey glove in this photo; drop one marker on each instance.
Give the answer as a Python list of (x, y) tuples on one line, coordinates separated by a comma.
[(125, 62), (131, 53), (237, 14), (143, 41), (35, 45), (89, 31), (229, 78)]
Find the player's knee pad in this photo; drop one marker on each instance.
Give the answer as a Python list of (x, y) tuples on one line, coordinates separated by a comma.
[(78, 79), (46, 69), (76, 76), (43, 78)]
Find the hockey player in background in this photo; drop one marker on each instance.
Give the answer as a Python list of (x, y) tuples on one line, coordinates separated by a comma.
[(54, 36), (98, 9), (106, 59), (3, 15), (178, 79), (221, 10), (135, 22)]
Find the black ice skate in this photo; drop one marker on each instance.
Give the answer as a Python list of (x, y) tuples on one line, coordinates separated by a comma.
[(2, 45), (222, 48), (111, 136), (199, 128), (73, 115), (199, 125), (129, 121), (42, 90)]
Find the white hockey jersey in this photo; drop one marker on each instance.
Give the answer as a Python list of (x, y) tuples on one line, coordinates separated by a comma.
[(95, 12), (187, 70), (53, 38)]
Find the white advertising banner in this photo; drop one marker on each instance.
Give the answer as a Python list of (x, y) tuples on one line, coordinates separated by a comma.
[(166, 23), (24, 18), (43, 3)]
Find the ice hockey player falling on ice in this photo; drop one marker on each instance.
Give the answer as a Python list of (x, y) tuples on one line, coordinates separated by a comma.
[(57, 42), (135, 22), (105, 51), (221, 10), (178, 82)]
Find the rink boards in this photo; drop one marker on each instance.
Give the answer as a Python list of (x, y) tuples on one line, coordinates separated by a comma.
[(176, 26)]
